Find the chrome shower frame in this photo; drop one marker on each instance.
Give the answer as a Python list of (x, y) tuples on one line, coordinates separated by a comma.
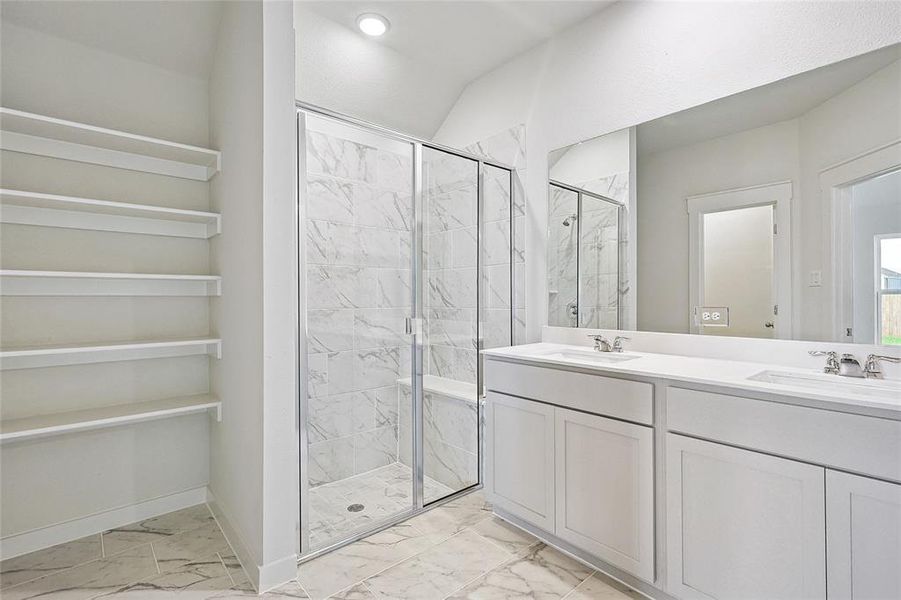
[(620, 211), (417, 344)]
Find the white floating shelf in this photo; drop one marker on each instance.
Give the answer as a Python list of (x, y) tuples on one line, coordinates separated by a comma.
[(50, 210), (110, 416), (68, 140), (54, 356), (76, 283)]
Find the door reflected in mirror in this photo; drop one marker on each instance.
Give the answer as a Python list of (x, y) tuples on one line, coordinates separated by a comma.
[(773, 213)]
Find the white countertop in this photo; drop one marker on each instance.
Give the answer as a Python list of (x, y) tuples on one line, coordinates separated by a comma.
[(728, 373)]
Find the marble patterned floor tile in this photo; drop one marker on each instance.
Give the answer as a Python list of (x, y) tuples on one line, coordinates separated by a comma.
[(356, 592), (507, 536), (542, 573), (90, 579), (602, 587), (287, 591), (155, 529), (236, 571), (337, 570), (438, 571), (199, 577), (174, 552), (44, 562), (454, 516), (385, 492)]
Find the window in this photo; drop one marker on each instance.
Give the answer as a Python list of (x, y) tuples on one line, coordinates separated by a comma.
[(888, 289)]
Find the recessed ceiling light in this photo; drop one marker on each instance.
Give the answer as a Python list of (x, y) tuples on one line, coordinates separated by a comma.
[(372, 24)]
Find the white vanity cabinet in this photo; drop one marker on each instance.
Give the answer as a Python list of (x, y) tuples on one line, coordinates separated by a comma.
[(605, 489), (863, 537), (742, 524), (519, 458), (582, 477)]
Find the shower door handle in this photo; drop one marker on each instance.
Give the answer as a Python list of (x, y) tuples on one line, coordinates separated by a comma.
[(413, 326)]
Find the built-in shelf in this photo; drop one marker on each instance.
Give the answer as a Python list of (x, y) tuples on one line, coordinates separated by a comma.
[(77, 354), (68, 140), (50, 210), (443, 386), (77, 283), (109, 416)]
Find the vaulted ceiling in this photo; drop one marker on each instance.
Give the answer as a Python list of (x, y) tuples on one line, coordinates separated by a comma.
[(410, 78)]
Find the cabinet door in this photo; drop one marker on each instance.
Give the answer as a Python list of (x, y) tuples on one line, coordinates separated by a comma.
[(605, 489), (742, 524), (863, 537), (519, 461)]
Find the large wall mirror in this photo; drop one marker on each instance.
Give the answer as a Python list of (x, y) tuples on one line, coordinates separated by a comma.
[(773, 213)]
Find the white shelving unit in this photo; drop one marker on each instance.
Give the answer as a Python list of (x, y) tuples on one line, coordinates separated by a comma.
[(51, 210), (32, 357), (72, 283), (109, 416), (48, 136)]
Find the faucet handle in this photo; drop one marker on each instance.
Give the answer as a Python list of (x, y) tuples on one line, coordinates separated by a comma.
[(871, 367), (600, 342), (618, 342), (831, 360)]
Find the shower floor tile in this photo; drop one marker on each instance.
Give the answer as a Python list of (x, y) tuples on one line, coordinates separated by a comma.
[(378, 495)]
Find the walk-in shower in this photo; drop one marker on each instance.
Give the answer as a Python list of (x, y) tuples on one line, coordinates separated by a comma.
[(583, 258), (406, 272)]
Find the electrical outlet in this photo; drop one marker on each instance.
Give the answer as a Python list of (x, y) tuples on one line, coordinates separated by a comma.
[(814, 279), (712, 316)]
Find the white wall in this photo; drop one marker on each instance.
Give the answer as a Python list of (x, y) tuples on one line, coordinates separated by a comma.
[(864, 117), (64, 479), (637, 61), (254, 456)]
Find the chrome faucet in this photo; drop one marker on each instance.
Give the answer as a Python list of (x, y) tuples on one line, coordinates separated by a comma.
[(871, 367), (848, 366), (602, 344)]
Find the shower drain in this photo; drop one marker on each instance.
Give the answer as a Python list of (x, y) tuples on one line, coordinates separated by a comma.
[(355, 508)]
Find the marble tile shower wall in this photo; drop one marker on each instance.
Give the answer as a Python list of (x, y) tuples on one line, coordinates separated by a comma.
[(358, 244), (598, 263), (561, 263), (616, 186), (507, 147), (450, 439), (450, 239)]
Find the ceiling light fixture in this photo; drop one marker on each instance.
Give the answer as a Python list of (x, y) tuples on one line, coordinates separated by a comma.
[(372, 24)]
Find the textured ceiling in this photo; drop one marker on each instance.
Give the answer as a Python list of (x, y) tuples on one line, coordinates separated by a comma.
[(410, 78)]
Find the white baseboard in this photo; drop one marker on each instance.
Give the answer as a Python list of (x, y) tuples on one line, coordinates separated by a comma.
[(277, 572), (37, 539), (262, 577)]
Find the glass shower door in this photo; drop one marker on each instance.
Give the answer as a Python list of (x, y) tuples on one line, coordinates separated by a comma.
[(450, 245), (407, 269), (356, 231)]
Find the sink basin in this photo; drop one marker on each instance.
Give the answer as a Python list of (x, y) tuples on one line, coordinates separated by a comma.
[(590, 356), (872, 388)]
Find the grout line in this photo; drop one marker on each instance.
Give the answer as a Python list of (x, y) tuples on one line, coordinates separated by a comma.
[(580, 584), (227, 571), (303, 589), (156, 561), (489, 540), (102, 546)]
